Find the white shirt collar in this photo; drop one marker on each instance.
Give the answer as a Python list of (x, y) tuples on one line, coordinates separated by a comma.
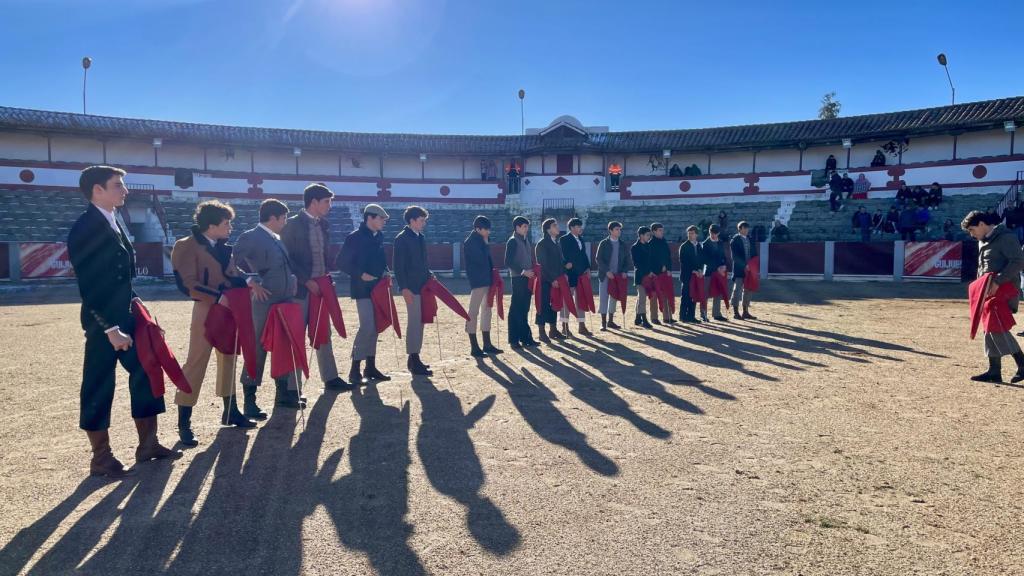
[(273, 234), (311, 217), (210, 240), (110, 218)]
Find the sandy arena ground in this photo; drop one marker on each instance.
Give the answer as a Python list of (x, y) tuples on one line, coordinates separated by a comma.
[(837, 434)]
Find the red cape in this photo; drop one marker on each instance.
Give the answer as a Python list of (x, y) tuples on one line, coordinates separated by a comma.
[(992, 313), (560, 295), (619, 290), (720, 287), (496, 294), (230, 329), (585, 294), (535, 287), (429, 294), (697, 293), (154, 354), (384, 311), (752, 274), (666, 291), (324, 308), (282, 337)]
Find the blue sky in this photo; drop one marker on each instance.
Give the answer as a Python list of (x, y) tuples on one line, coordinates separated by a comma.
[(454, 66)]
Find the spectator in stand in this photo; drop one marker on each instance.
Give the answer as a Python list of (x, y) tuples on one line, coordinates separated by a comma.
[(908, 224), (903, 195), (862, 221), (779, 232), (879, 159), (723, 219), (862, 186), (892, 221), (835, 196), (949, 229), (675, 171), (876, 221), (922, 216), (935, 195), (692, 170), (847, 186), (920, 196), (1015, 220), (830, 164)]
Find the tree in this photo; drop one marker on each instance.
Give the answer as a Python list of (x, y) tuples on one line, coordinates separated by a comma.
[(830, 107)]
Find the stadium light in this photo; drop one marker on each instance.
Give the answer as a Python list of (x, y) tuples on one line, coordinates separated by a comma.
[(297, 151), (423, 157), (158, 142), (945, 65), (847, 143), (86, 63), (1010, 126), (522, 113)]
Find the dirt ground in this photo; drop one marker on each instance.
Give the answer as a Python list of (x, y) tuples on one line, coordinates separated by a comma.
[(836, 434)]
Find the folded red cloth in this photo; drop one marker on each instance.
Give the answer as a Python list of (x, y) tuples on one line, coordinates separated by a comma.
[(561, 296), (535, 287), (220, 330), (430, 293), (154, 354), (496, 293), (752, 274), (720, 287), (585, 294), (282, 337), (991, 313), (384, 311), (664, 285), (697, 293), (324, 309), (618, 288)]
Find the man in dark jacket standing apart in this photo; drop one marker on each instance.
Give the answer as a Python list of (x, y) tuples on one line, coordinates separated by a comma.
[(519, 258), (640, 252), (411, 273), (479, 266), (742, 250), (717, 257), (307, 238), (612, 261), (362, 257), (661, 261), (691, 259), (549, 256), (104, 263), (577, 265), (998, 253)]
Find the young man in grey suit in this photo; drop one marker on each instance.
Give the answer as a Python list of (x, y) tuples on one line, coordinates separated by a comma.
[(260, 253), (306, 237)]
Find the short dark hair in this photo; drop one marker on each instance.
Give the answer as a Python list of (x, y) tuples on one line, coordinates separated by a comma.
[(742, 224), (656, 226), (482, 222), (315, 191), (975, 217), (212, 213), (691, 228), (413, 212), (94, 175), (614, 224), (642, 230), (548, 224), (519, 221), (574, 222), (714, 229), (271, 208)]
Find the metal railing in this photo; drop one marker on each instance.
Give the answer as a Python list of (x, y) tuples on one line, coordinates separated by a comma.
[(1012, 196)]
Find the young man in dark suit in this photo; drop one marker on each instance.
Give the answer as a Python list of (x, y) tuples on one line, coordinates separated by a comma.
[(577, 264), (640, 253), (661, 261), (306, 237), (612, 261), (716, 256), (691, 258), (104, 263), (519, 258), (549, 257), (411, 273), (479, 266), (743, 249)]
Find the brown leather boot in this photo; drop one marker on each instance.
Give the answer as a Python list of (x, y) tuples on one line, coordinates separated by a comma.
[(149, 446), (103, 462)]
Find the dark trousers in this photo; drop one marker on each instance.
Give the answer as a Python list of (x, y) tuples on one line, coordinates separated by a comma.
[(519, 311), (865, 234), (908, 234), (687, 307), (97, 395), (546, 314)]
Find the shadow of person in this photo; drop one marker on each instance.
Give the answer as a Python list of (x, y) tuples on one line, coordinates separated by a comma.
[(742, 348), (698, 356), (597, 393), (845, 339), (535, 402), (368, 506), (452, 465)]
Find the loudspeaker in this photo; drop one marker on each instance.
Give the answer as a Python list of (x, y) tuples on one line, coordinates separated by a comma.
[(183, 178)]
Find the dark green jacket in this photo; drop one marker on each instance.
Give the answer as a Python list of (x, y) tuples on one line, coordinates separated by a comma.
[(1001, 254)]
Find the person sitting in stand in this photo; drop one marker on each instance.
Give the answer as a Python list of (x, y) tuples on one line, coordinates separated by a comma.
[(892, 221), (847, 186), (675, 171), (876, 221), (835, 195), (908, 224), (830, 164), (862, 221), (903, 194), (922, 216), (920, 196), (949, 230), (779, 232), (934, 195), (879, 159)]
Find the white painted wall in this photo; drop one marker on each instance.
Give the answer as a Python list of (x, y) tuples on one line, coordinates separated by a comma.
[(591, 164), (18, 146), (318, 163), (533, 164), (217, 159), (637, 165), (402, 167), (732, 163), (863, 152), (985, 143), (74, 149), (181, 156), (815, 156), (274, 161), (929, 149), (446, 167), (779, 160), (368, 165), (130, 153)]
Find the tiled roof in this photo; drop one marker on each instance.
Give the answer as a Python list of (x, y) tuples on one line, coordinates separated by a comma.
[(945, 119)]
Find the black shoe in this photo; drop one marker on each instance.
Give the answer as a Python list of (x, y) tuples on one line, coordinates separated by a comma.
[(185, 434), (371, 372), (232, 417), (736, 316), (644, 323), (749, 316), (289, 399), (612, 324), (994, 373), (1017, 377), (670, 321), (656, 322), (721, 318), (488, 347), (474, 347), (249, 407), (515, 345), (355, 377), (704, 318), (417, 368), (338, 384), (989, 377), (637, 322), (531, 343)]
